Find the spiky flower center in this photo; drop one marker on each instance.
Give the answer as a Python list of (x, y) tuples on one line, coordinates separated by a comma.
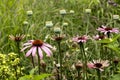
[(116, 61), (18, 38), (37, 43), (101, 37), (81, 38), (98, 65), (58, 38), (108, 28)]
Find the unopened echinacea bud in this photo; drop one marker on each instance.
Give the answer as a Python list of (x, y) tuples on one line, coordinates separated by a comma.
[(25, 23), (57, 30), (115, 17), (49, 24), (72, 11), (88, 11), (29, 13), (63, 12), (65, 24)]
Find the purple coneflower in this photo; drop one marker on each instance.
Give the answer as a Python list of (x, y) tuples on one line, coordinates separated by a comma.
[(98, 37), (105, 30), (17, 37), (37, 45), (81, 39), (98, 64)]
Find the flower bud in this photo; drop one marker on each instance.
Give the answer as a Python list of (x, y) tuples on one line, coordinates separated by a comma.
[(115, 17), (58, 65), (65, 24), (49, 24), (29, 13), (25, 23), (72, 11), (57, 30), (78, 65), (63, 12), (43, 64), (88, 11)]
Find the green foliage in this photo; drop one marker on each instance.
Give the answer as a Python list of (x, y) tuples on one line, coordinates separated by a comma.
[(9, 66), (115, 77), (35, 77), (109, 40), (13, 14)]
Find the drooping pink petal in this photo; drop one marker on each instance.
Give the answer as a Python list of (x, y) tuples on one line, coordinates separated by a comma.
[(26, 44), (47, 45), (47, 50), (90, 65), (29, 52), (115, 30), (40, 52), (34, 51), (24, 48)]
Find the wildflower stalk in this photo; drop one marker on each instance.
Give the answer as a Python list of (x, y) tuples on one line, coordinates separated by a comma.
[(87, 28), (18, 50), (84, 60), (98, 74), (38, 62), (60, 57), (78, 74), (33, 61)]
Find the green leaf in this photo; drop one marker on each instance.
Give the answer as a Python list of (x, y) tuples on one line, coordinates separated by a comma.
[(40, 77), (109, 40), (26, 77), (34, 77), (113, 46), (115, 77), (33, 71)]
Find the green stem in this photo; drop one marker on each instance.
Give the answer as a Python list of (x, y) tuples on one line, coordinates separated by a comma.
[(98, 74), (84, 60), (38, 62), (60, 56), (78, 74), (33, 61), (18, 48)]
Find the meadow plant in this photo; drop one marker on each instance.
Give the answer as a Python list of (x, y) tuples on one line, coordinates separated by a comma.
[(92, 56), (36, 46)]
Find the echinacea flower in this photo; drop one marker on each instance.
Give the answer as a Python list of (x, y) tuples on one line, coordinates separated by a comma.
[(81, 39), (37, 46), (98, 37), (98, 64), (105, 30), (17, 38)]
